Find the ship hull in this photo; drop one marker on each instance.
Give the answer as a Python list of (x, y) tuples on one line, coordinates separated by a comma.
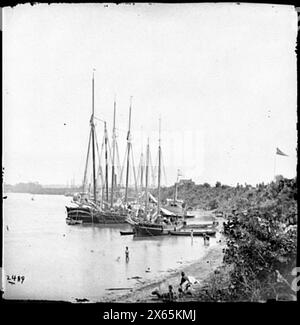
[(88, 215), (145, 229), (152, 229)]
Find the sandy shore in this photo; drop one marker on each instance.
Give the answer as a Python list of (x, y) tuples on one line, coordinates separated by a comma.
[(201, 270)]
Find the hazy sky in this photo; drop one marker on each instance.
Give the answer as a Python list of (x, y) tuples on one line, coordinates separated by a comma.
[(221, 76)]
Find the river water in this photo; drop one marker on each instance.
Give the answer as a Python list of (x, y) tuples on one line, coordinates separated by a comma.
[(61, 262)]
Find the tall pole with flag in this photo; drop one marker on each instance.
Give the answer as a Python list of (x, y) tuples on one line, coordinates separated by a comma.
[(279, 153)]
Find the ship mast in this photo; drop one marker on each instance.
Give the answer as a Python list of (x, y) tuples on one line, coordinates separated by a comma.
[(86, 163), (106, 163), (147, 176), (128, 153), (159, 163), (142, 164), (93, 142), (176, 190), (113, 157)]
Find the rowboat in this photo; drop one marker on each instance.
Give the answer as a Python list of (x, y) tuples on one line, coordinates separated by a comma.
[(124, 233), (189, 232)]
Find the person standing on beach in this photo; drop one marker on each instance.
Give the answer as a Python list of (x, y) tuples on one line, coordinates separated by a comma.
[(127, 254), (171, 293), (184, 279), (207, 239)]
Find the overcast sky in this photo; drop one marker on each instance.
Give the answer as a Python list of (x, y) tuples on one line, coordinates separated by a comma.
[(221, 76)]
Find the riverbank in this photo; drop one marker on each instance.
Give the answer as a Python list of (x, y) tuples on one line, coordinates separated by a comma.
[(201, 270)]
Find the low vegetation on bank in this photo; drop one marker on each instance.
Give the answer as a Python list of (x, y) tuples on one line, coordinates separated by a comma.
[(260, 257)]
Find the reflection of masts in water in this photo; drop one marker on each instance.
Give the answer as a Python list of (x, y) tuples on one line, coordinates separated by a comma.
[(159, 163), (147, 177), (113, 157)]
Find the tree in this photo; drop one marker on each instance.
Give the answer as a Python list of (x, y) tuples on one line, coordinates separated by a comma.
[(213, 204), (218, 184)]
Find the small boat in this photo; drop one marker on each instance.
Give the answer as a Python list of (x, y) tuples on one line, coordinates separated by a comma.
[(71, 221), (149, 229), (187, 232), (124, 233), (200, 225)]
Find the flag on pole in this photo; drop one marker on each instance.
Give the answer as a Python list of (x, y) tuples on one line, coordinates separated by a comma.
[(279, 152)]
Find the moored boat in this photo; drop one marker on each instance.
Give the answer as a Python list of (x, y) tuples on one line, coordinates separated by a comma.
[(125, 233), (91, 211), (71, 221), (92, 215), (190, 232), (160, 223)]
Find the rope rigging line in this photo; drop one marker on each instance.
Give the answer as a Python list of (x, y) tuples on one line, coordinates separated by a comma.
[(153, 174), (100, 172), (133, 167), (123, 166), (163, 168), (86, 162), (118, 163), (140, 173)]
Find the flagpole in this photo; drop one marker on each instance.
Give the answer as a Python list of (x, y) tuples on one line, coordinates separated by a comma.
[(275, 165)]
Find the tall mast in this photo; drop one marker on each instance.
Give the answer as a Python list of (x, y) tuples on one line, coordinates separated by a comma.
[(86, 163), (147, 176), (106, 163), (93, 142), (113, 157), (175, 190), (128, 153), (142, 163), (159, 162)]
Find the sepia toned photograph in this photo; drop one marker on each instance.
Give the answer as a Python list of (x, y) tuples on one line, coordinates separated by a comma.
[(149, 153)]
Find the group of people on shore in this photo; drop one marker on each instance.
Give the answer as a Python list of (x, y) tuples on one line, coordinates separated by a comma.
[(184, 289)]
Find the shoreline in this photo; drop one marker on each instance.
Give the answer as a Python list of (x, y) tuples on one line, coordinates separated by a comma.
[(201, 270)]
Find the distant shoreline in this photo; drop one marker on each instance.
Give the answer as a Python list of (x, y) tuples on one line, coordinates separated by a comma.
[(46, 192)]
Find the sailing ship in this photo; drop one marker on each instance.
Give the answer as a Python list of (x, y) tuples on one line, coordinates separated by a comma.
[(155, 224), (176, 206), (90, 210)]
